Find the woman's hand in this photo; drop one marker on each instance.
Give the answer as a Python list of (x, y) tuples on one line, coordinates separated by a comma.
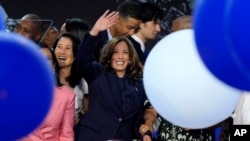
[(145, 132), (144, 128), (104, 22)]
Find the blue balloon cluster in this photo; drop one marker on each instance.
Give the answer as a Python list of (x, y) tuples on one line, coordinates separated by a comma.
[(26, 86), (221, 34)]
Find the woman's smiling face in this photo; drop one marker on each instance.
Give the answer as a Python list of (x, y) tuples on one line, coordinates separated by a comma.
[(120, 58), (64, 52)]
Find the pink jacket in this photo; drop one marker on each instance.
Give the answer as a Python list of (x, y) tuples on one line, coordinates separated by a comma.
[(59, 123)]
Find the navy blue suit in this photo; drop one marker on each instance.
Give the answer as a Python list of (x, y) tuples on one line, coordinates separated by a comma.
[(100, 41), (115, 104)]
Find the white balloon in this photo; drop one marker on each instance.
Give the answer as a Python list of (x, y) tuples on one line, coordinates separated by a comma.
[(180, 87)]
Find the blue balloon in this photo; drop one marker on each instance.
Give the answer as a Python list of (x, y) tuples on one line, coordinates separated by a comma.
[(237, 24), (211, 25), (2, 20), (26, 86)]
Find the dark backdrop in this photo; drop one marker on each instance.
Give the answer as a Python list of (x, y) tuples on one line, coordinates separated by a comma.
[(90, 10), (58, 10)]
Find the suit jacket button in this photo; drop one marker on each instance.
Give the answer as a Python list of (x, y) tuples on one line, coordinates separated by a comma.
[(119, 119)]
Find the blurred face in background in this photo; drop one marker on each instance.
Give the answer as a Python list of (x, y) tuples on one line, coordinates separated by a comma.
[(28, 28), (150, 29), (46, 51), (51, 36), (182, 22)]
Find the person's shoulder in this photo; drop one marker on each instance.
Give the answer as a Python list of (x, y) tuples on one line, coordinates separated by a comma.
[(132, 39), (135, 41), (63, 90)]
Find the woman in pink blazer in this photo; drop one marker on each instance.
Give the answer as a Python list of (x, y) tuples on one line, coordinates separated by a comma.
[(59, 122)]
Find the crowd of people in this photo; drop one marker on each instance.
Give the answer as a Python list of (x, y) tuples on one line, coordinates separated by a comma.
[(99, 93)]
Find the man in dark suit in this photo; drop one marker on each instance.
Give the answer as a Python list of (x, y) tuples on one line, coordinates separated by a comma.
[(129, 19)]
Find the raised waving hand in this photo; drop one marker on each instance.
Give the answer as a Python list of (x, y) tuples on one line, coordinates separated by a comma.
[(104, 22)]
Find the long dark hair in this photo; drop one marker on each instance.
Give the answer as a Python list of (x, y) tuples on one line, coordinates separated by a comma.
[(78, 27), (75, 76)]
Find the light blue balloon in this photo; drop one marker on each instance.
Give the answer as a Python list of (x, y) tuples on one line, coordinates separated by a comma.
[(181, 88)]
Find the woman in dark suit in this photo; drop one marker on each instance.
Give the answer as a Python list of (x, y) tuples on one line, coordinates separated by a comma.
[(116, 92)]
